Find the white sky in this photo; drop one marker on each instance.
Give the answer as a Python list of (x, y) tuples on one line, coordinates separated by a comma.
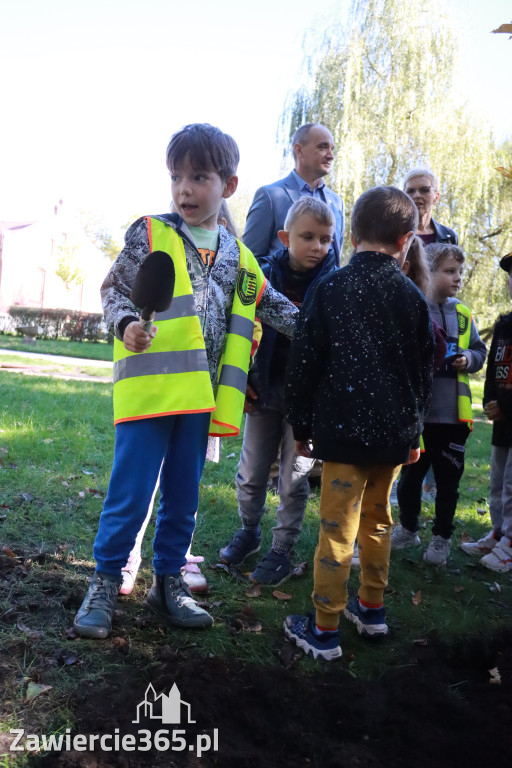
[(93, 89)]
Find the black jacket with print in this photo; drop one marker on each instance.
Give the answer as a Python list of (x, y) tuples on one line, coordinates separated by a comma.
[(360, 365), (498, 380)]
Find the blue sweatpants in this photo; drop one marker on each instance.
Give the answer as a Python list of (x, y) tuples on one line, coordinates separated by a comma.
[(177, 446)]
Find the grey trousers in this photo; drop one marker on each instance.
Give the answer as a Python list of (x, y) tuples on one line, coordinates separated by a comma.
[(265, 430), (500, 500)]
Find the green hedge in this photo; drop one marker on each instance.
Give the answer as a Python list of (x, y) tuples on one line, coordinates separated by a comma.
[(62, 323)]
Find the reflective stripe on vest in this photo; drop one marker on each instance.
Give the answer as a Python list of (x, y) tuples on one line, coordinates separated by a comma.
[(234, 364), (172, 377), (463, 390)]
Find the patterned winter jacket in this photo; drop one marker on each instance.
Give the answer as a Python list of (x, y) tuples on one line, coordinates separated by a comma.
[(213, 288)]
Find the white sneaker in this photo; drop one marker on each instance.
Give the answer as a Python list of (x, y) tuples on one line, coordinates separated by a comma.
[(481, 547), (437, 551), (129, 572), (193, 577), (401, 538), (500, 559)]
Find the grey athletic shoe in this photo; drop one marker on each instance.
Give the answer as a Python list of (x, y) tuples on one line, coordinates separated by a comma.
[(401, 538), (438, 551), (94, 619), (171, 597)]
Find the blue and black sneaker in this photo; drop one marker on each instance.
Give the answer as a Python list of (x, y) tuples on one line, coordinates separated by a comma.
[(243, 544), (299, 630), (369, 623)]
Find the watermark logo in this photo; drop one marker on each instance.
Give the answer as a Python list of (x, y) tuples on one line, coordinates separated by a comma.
[(169, 708), (164, 707)]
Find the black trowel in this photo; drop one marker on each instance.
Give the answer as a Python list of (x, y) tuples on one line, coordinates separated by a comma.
[(153, 287)]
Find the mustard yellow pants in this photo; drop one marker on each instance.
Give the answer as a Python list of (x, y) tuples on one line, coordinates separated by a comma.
[(354, 502)]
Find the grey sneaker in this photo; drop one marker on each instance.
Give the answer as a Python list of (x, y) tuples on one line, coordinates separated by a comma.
[(401, 538), (438, 551), (170, 596), (243, 544), (94, 619)]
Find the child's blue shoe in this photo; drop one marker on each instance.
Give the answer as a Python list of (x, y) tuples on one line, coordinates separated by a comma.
[(299, 630), (243, 544), (369, 623)]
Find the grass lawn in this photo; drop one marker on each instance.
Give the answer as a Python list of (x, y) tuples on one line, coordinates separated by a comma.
[(56, 446), (86, 349)]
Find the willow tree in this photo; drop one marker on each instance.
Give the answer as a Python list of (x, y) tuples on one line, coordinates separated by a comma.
[(386, 83)]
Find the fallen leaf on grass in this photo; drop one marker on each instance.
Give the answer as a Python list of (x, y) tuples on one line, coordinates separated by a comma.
[(27, 497), (458, 589), (71, 634), (48, 440), (298, 570), (289, 654), (240, 624), (495, 678), (281, 595), (219, 567), (119, 642), (465, 537), (65, 484), (81, 494), (87, 472), (248, 610), (481, 511), (253, 591), (421, 641), (416, 598), (95, 492), (7, 551), (32, 634), (495, 587), (34, 689)]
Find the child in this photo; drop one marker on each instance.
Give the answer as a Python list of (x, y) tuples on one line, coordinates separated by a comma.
[(194, 367), (415, 267), (359, 379), (293, 271), (191, 572), (449, 419), (496, 546)]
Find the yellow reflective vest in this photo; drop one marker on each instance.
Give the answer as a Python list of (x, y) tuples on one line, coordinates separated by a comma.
[(172, 376), (463, 389)]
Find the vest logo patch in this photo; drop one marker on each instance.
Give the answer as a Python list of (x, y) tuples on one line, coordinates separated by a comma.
[(246, 287), (463, 321)]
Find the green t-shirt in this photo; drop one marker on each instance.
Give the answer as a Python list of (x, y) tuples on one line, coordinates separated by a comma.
[(206, 243)]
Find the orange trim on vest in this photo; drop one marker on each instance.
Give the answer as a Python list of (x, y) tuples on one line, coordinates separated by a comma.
[(164, 413), (150, 233)]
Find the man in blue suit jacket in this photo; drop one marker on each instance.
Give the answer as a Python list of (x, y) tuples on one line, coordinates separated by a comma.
[(313, 154)]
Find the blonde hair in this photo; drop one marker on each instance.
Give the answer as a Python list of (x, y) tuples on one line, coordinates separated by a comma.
[(309, 206)]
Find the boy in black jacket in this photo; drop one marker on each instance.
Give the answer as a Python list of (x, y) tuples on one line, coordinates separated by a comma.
[(293, 271), (359, 380), (496, 545)]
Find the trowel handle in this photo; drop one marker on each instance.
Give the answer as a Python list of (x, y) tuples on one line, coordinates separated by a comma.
[(147, 324)]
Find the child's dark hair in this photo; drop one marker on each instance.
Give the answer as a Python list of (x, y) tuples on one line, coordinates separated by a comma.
[(439, 252), (418, 265), (207, 149), (308, 206), (383, 215)]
